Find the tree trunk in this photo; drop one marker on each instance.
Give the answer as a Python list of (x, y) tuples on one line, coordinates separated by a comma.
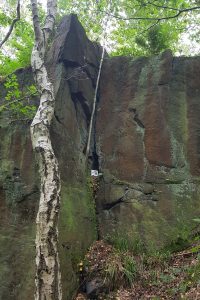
[(48, 276)]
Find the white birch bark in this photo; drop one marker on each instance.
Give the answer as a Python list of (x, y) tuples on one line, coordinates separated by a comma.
[(48, 276)]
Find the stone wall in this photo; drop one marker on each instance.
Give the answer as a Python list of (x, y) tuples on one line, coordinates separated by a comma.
[(148, 146)]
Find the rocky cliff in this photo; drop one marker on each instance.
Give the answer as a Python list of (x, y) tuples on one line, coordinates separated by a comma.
[(145, 145), (147, 133)]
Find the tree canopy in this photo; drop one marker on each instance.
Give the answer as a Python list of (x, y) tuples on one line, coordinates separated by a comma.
[(135, 27)]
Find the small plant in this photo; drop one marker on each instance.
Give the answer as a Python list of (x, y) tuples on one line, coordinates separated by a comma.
[(114, 271), (120, 269), (166, 278), (194, 273), (126, 243), (181, 243), (130, 269), (157, 257)]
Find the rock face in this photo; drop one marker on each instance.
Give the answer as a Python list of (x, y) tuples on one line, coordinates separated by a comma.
[(145, 144), (147, 134)]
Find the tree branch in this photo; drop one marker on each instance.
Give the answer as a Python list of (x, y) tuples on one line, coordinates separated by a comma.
[(186, 10), (36, 21), (161, 6), (12, 24), (150, 27)]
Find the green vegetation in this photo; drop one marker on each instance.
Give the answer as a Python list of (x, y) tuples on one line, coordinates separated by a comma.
[(18, 101), (126, 243), (161, 273), (136, 245), (131, 259), (135, 27), (18, 49), (120, 269)]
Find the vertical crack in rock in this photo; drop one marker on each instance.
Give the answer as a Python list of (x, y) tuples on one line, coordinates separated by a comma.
[(146, 162), (79, 98), (95, 166), (141, 129), (136, 118), (95, 158)]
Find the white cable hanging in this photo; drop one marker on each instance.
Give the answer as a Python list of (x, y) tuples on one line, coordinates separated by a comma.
[(105, 33)]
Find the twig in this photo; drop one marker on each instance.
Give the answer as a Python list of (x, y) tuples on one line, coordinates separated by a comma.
[(148, 28), (162, 6), (153, 18)]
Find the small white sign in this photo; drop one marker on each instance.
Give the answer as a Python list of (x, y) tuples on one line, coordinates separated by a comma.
[(94, 173)]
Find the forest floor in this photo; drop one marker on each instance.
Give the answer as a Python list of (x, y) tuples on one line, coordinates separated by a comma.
[(110, 273)]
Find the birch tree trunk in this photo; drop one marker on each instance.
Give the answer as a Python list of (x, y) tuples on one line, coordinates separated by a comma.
[(48, 276)]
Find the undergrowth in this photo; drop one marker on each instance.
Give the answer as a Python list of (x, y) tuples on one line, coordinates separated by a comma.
[(120, 269), (127, 267)]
